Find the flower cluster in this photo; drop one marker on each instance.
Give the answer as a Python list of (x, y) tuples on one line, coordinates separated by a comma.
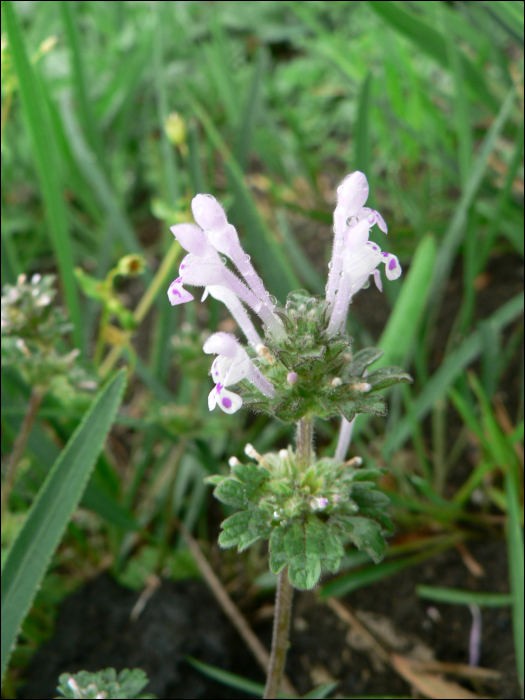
[(287, 373)]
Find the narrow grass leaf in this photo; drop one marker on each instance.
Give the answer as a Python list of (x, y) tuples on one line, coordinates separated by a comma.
[(401, 330), (322, 691), (230, 679), (250, 112), (454, 596), (372, 574), (363, 150), (454, 233), (94, 175), (30, 553), (509, 13), (516, 564), (79, 82), (37, 120), (452, 367), (432, 43)]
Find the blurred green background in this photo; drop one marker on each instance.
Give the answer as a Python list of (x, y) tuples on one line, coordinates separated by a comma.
[(114, 115)]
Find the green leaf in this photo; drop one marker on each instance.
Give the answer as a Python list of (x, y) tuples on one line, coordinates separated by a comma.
[(371, 404), (215, 479), (244, 528), (455, 596), (431, 42), (305, 545), (231, 492), (387, 376), (452, 367), (44, 151), (365, 533), (230, 679), (401, 330), (515, 558), (322, 691), (32, 550), (362, 359)]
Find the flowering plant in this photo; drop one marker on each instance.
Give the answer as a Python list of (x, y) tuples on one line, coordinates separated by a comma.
[(302, 368)]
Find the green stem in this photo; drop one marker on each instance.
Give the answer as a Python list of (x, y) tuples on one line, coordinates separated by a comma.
[(305, 436), (281, 629), (284, 595), (35, 401)]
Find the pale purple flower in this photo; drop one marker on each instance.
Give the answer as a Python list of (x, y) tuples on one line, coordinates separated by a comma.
[(231, 365), (204, 267), (354, 257), (318, 503)]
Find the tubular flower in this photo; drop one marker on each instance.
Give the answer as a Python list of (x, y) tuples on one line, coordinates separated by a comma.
[(354, 257), (231, 366), (305, 364), (205, 267)]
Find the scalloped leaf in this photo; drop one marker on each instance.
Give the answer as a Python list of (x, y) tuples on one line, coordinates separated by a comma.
[(304, 545), (244, 528), (365, 533), (387, 376), (232, 492), (362, 359)]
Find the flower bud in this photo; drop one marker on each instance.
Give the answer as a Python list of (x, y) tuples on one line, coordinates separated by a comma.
[(208, 213)]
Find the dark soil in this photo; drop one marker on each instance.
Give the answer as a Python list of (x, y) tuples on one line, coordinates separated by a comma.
[(94, 631)]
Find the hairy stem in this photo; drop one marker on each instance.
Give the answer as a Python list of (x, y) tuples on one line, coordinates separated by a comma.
[(281, 629), (284, 595), (35, 401), (305, 436)]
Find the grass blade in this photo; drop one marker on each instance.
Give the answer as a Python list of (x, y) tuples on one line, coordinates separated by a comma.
[(248, 118), (29, 556), (516, 564), (37, 120), (403, 325), (454, 596), (440, 382), (230, 679), (84, 106), (362, 136), (456, 228), (431, 42), (371, 574)]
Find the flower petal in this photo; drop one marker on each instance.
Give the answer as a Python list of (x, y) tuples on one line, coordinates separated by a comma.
[(208, 212), (392, 266), (177, 294), (212, 398), (223, 344), (191, 238), (228, 401), (357, 235), (352, 193)]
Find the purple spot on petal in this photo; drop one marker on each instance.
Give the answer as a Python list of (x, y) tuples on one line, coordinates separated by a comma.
[(182, 266), (176, 291), (226, 402), (179, 279), (392, 264), (385, 255), (219, 388)]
